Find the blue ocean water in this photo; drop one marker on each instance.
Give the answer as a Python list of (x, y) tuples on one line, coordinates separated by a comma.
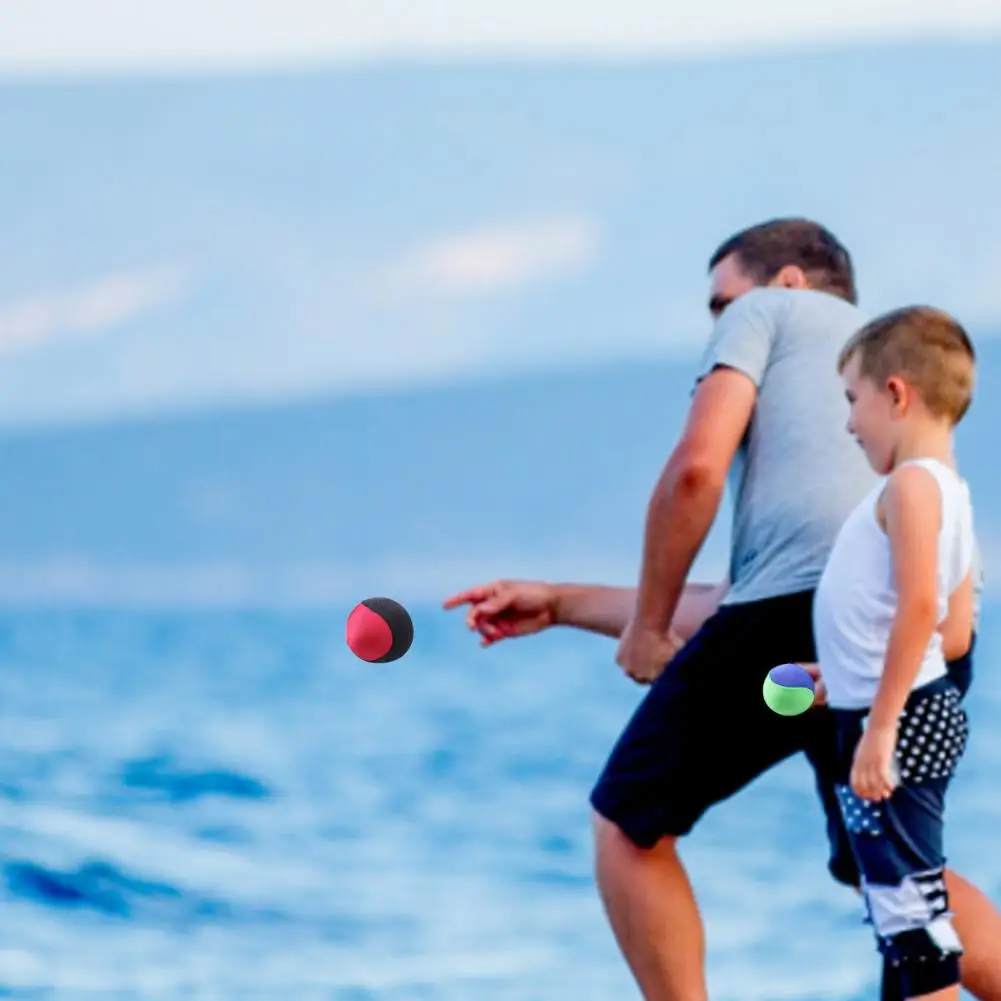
[(228, 805)]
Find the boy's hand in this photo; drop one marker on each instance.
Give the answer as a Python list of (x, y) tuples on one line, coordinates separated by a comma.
[(819, 688), (872, 775)]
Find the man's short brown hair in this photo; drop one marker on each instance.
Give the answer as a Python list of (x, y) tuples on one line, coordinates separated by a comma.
[(765, 249), (925, 346)]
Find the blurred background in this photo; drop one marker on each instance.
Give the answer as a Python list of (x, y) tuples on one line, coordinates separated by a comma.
[(306, 301)]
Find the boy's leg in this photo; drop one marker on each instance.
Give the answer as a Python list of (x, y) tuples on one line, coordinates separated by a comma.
[(701, 733), (906, 895), (976, 919), (898, 846)]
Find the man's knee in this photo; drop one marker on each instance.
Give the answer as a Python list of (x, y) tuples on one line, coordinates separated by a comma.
[(611, 839)]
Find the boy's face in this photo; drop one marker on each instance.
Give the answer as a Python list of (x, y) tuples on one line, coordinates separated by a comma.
[(872, 417)]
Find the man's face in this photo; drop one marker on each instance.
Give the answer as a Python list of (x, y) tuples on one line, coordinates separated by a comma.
[(727, 281)]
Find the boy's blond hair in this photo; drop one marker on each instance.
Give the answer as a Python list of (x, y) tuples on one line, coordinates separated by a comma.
[(925, 346)]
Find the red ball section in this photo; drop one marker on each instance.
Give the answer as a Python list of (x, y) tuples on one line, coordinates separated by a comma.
[(369, 634), (380, 630)]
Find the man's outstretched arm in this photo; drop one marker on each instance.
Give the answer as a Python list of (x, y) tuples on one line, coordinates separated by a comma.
[(607, 610), (506, 609)]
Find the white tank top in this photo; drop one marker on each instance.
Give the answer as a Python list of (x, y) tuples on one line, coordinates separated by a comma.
[(857, 597)]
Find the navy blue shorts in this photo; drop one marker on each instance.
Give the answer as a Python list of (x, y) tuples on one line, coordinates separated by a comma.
[(898, 843), (666, 769), (842, 864)]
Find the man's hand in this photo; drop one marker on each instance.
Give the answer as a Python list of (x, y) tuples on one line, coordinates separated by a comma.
[(872, 775), (644, 653), (504, 609)]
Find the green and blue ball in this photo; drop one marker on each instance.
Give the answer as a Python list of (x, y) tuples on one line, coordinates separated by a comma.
[(788, 690)]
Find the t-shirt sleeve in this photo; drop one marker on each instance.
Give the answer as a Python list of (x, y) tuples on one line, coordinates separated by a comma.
[(743, 337)]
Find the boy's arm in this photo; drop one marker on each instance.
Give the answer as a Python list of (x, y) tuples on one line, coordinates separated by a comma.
[(957, 627), (912, 512)]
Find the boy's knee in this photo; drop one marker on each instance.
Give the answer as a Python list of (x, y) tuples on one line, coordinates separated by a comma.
[(915, 933), (919, 961)]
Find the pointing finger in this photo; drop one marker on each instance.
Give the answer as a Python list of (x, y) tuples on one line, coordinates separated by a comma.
[(493, 604), (471, 595)]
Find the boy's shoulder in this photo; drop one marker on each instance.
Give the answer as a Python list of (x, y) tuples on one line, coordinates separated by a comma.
[(919, 475), (924, 491)]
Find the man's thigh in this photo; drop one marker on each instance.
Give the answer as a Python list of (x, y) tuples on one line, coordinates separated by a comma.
[(703, 731)]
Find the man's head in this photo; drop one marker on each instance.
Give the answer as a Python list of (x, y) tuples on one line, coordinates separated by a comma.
[(786, 253), (905, 372)]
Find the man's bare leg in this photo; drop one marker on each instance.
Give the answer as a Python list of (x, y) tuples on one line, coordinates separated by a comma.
[(946, 994), (652, 910), (978, 925), (606, 610), (655, 919)]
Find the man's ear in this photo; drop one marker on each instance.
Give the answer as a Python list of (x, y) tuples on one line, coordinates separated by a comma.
[(791, 276)]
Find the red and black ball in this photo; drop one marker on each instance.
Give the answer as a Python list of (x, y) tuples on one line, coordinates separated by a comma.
[(379, 630)]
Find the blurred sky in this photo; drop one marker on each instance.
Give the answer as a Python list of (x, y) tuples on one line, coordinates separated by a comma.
[(41, 35), (261, 236), (188, 244)]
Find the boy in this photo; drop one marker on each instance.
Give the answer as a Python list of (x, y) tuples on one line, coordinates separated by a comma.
[(896, 579)]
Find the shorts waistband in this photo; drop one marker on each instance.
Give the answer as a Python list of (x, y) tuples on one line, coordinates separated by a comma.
[(936, 687)]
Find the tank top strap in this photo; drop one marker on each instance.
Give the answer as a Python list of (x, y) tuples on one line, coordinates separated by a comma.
[(949, 481)]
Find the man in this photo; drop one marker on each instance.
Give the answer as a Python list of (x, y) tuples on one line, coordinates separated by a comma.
[(767, 410)]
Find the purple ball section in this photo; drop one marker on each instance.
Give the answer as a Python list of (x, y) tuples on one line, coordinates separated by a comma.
[(791, 676)]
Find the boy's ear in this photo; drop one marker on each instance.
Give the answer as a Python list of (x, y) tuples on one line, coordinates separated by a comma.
[(898, 391)]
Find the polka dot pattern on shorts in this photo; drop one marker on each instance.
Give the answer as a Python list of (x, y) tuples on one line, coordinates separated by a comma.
[(931, 738), (860, 815)]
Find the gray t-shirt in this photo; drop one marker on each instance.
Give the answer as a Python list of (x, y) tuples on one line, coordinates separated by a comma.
[(798, 473)]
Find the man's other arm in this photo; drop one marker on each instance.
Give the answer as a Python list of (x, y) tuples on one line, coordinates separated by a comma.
[(686, 498)]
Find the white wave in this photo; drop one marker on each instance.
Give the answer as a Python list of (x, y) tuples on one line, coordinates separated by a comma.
[(88, 310)]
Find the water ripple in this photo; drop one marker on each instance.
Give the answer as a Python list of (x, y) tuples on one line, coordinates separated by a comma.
[(164, 775)]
